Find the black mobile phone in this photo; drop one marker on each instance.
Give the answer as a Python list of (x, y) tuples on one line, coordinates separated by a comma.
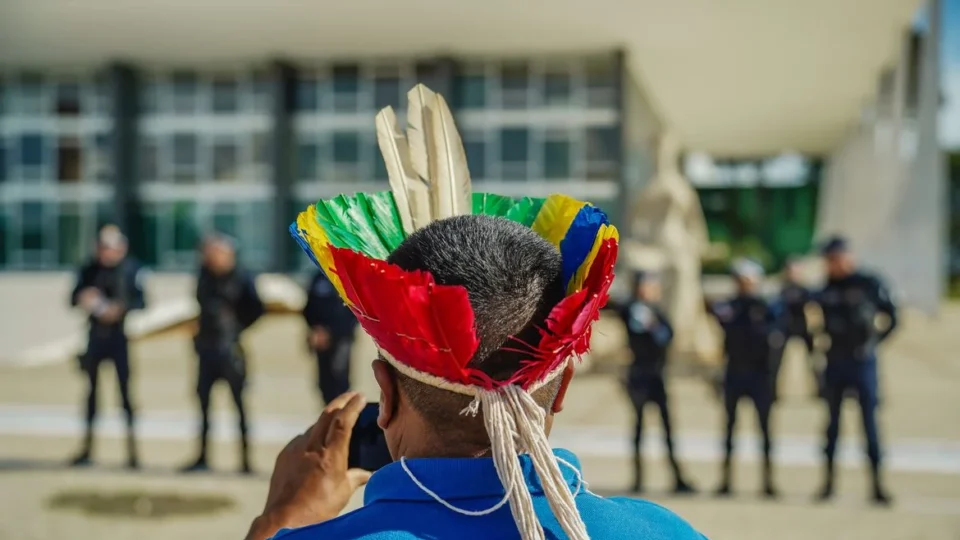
[(368, 445)]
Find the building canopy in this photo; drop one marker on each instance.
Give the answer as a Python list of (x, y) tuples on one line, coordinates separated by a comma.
[(740, 78)]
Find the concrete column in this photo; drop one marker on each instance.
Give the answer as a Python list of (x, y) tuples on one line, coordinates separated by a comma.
[(125, 94), (283, 87)]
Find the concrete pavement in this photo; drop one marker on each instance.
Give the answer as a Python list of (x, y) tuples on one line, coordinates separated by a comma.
[(39, 423)]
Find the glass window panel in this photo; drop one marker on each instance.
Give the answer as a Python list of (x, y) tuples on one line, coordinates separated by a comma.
[(379, 166), (100, 93), (514, 85), (346, 87), (308, 96), (72, 243), (3, 161), (68, 99), (185, 157), (149, 160), (386, 92), (226, 157), (556, 159), (346, 147), (31, 150), (603, 143), (470, 91), (102, 165), (226, 95), (31, 226), (30, 99), (4, 96), (184, 92), (602, 80), (514, 145), (430, 74), (476, 151), (261, 149), (69, 164), (256, 241), (556, 88), (4, 231), (185, 231), (308, 161), (148, 243), (261, 86), (225, 220), (150, 103)]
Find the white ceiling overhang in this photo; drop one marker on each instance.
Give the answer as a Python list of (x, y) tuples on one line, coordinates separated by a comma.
[(731, 77)]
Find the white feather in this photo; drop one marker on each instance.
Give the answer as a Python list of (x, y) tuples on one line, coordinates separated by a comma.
[(419, 101), (451, 180)]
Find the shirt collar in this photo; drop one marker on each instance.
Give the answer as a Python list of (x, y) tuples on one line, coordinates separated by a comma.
[(459, 478)]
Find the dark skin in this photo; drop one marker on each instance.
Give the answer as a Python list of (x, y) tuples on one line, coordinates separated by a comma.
[(311, 482)]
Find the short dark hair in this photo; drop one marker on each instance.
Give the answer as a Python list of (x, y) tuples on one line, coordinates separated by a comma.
[(513, 278)]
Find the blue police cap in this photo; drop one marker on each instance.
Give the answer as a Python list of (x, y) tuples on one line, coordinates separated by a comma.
[(834, 244)]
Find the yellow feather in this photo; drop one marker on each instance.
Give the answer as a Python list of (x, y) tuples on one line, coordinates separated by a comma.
[(320, 244), (555, 217), (605, 233)]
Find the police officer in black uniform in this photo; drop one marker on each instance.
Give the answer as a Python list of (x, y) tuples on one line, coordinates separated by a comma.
[(331, 328), (752, 342), (649, 335), (795, 298), (853, 301), (108, 287), (229, 304)]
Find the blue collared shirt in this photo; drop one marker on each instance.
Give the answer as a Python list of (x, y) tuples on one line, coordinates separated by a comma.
[(394, 508)]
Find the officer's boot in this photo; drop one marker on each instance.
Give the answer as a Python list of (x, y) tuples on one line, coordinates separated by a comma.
[(724, 489), (637, 472), (880, 495), (769, 491), (826, 492), (82, 458), (245, 467), (200, 464), (681, 486), (133, 460)]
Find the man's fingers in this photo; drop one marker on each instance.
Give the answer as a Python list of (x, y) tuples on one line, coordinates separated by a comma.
[(341, 425), (358, 477), (317, 435)]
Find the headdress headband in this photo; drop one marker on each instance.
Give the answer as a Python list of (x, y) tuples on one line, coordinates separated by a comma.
[(426, 330)]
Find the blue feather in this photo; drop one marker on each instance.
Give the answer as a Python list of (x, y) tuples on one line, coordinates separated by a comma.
[(295, 232), (577, 243)]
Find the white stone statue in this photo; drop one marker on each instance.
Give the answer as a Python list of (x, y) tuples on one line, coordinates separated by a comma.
[(668, 233)]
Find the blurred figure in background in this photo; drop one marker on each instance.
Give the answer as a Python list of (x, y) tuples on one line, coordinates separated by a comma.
[(229, 304), (752, 341), (853, 301), (108, 287), (795, 298), (331, 327), (649, 335)]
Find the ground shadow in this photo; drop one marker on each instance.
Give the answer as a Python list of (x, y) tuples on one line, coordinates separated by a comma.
[(139, 504), (21, 465)]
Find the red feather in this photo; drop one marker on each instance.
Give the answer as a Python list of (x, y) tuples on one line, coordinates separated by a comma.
[(570, 322), (428, 327)]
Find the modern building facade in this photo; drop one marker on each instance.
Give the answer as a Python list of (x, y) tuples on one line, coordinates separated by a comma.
[(170, 154)]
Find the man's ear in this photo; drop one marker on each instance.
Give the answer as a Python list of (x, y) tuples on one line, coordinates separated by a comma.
[(565, 379), (389, 395)]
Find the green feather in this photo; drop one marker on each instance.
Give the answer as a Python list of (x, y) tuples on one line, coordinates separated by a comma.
[(525, 210), (329, 224), (386, 218), (491, 204), (353, 226)]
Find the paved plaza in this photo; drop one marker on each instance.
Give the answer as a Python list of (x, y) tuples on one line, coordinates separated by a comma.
[(40, 427)]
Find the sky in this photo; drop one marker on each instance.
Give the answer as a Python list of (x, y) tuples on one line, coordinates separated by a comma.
[(950, 75)]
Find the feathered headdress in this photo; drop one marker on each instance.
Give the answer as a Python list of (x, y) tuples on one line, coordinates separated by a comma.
[(426, 330)]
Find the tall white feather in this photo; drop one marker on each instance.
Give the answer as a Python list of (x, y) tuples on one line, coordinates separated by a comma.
[(420, 107), (410, 193), (451, 178)]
